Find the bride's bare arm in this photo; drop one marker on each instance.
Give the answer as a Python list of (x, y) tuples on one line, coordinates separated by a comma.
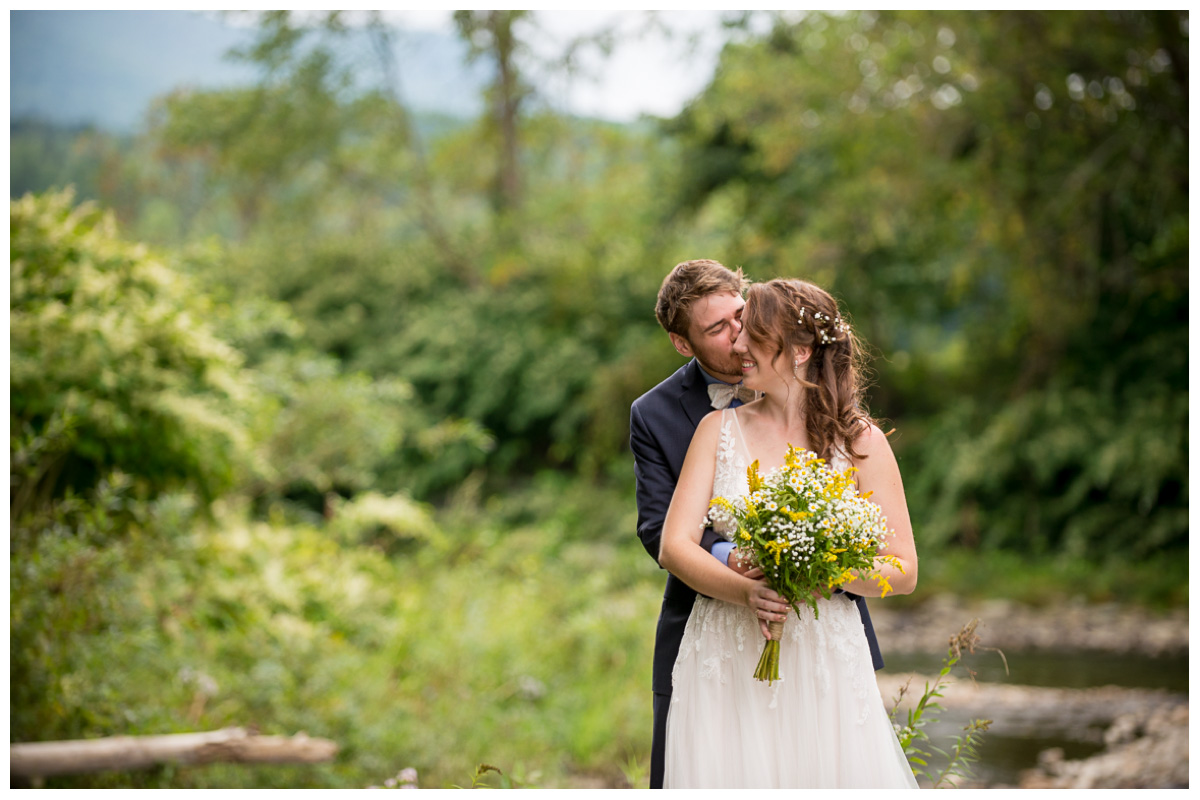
[(879, 474), (681, 551)]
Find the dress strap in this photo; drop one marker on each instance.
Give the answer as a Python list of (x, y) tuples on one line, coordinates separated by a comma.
[(740, 437), (725, 446)]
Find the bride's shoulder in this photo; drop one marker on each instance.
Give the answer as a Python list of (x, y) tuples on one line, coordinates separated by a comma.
[(707, 437), (870, 440), (711, 424)]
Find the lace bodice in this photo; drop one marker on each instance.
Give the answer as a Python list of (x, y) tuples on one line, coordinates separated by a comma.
[(730, 480)]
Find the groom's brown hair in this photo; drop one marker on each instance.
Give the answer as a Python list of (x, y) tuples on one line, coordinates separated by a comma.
[(688, 282)]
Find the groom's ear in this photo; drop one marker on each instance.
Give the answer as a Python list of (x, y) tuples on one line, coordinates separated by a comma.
[(681, 345)]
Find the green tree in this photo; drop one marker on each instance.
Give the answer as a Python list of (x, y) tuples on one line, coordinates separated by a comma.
[(1005, 224), (493, 33), (543, 354), (276, 147)]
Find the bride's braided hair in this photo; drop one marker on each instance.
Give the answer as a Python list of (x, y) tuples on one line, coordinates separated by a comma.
[(790, 313)]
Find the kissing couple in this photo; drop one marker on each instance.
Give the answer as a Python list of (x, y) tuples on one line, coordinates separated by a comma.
[(771, 365)]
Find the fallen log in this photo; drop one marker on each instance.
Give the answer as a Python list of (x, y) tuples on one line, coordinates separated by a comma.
[(237, 745)]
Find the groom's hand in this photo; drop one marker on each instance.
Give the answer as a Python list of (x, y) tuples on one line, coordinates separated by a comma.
[(736, 564)]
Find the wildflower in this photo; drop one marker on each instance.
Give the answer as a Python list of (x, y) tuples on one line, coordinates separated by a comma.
[(721, 503), (796, 516), (776, 548), (753, 479)]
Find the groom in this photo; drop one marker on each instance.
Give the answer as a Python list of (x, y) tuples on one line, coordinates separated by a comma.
[(700, 306)]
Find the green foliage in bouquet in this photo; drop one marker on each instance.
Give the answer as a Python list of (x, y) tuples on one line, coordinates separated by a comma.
[(808, 529)]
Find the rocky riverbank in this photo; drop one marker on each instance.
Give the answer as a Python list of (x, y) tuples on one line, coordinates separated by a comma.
[(1144, 732), (1141, 734), (1005, 624), (1144, 749)]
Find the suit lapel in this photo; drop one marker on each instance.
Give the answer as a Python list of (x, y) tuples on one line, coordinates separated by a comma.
[(694, 397)]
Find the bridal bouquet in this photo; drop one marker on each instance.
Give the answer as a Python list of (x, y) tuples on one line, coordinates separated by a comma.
[(809, 530)]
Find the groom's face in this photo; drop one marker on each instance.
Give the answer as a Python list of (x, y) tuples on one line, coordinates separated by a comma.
[(716, 321)]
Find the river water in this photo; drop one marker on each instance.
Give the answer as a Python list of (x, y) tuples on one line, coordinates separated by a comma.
[(1020, 735), (1068, 669)]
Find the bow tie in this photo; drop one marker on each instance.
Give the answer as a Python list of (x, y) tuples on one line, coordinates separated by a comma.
[(722, 394)]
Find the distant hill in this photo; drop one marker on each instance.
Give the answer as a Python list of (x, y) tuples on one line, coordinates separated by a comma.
[(104, 67)]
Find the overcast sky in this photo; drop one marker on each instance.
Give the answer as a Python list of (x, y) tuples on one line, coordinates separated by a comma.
[(649, 70)]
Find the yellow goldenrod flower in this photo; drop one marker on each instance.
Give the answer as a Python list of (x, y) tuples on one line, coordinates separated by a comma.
[(754, 480), (777, 547), (845, 577), (721, 502)]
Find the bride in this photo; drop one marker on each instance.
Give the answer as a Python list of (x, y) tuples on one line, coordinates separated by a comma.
[(823, 723)]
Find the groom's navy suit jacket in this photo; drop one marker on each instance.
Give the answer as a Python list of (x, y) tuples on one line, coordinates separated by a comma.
[(661, 425)]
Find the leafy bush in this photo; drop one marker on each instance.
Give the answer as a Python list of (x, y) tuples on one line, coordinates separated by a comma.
[(1082, 473), (1093, 462), (112, 363), (387, 522)]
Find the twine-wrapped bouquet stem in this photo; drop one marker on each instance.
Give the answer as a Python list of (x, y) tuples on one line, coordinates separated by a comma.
[(768, 662)]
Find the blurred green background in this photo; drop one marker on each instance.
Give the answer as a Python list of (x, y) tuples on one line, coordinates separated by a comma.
[(319, 406)]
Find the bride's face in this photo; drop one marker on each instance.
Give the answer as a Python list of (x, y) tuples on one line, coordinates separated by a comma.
[(762, 369)]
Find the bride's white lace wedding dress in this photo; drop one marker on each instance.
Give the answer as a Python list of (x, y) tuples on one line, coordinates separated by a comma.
[(821, 725)]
